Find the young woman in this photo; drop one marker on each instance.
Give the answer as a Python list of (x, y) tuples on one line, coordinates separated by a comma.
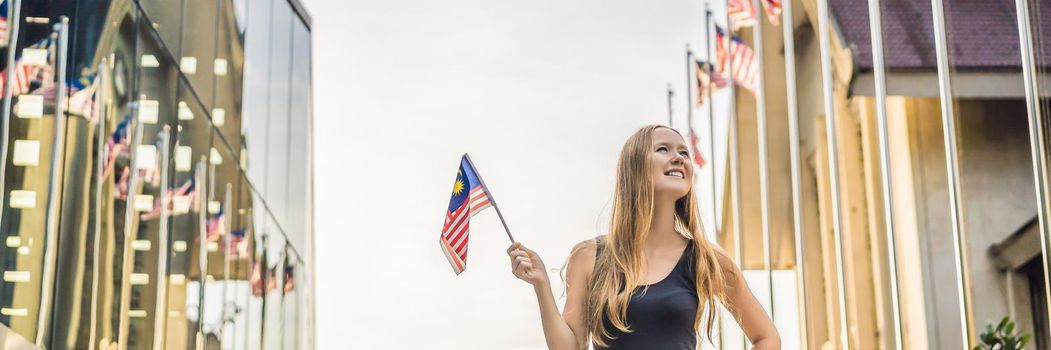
[(654, 280)]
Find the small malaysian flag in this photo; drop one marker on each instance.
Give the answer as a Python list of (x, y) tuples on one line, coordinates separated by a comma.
[(734, 54), (255, 280), (469, 197), (186, 190), (290, 278), (216, 225), (773, 11), (82, 98), (741, 12), (4, 35), (708, 81), (237, 246), (697, 157), (116, 144), (23, 77), (121, 190)]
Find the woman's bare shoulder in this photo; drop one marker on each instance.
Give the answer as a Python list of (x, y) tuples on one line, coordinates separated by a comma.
[(726, 262), (582, 257)]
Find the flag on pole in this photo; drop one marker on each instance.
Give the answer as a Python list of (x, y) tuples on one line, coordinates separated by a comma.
[(5, 37), (116, 144), (216, 226), (734, 53), (773, 11), (238, 246), (184, 193), (35, 69), (290, 279), (708, 81), (469, 197), (255, 279), (83, 97), (741, 13), (698, 158)]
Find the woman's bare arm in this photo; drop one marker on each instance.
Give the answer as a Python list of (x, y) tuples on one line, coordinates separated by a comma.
[(746, 309), (564, 331)]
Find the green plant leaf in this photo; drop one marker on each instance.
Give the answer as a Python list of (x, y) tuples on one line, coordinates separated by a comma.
[(1003, 323)]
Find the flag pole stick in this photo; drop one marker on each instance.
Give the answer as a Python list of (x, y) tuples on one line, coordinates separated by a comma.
[(689, 90), (670, 94), (711, 109), (711, 144), (487, 194)]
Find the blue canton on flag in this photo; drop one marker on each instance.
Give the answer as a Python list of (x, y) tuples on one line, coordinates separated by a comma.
[(468, 198)]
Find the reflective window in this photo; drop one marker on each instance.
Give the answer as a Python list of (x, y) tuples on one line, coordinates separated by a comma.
[(128, 218)]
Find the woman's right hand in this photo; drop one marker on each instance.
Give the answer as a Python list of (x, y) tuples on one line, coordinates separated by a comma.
[(527, 266)]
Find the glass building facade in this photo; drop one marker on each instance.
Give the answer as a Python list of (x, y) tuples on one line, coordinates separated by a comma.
[(156, 165)]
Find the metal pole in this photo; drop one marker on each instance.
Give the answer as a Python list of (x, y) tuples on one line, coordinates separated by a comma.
[(264, 270), (201, 185), (711, 141), (764, 171), (1036, 135), (670, 94), (735, 184), (963, 279), (57, 159), (229, 213), (689, 90), (487, 194), (160, 318), (788, 29), (129, 234), (880, 69), (100, 163), (248, 221), (284, 264), (14, 19), (823, 30), (711, 113)]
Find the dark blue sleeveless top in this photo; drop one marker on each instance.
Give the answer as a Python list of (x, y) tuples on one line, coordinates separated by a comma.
[(661, 315)]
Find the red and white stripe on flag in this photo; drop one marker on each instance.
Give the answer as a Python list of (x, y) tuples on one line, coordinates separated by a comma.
[(742, 62), (3, 32), (773, 11), (741, 13), (23, 77), (457, 223)]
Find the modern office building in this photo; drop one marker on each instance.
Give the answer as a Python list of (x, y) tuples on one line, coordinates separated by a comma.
[(157, 175)]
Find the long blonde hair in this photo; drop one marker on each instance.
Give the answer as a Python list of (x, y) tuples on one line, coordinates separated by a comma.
[(618, 271)]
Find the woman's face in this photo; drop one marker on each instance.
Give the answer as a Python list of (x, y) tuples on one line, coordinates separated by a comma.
[(669, 165)]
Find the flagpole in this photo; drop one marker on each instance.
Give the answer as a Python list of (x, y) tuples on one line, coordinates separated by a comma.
[(711, 140), (711, 110), (735, 174), (487, 194), (764, 166), (13, 15), (825, 47), (670, 94), (952, 166), (793, 146), (689, 91), (880, 71)]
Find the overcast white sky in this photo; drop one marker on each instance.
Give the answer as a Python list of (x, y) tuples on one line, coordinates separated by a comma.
[(542, 94)]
